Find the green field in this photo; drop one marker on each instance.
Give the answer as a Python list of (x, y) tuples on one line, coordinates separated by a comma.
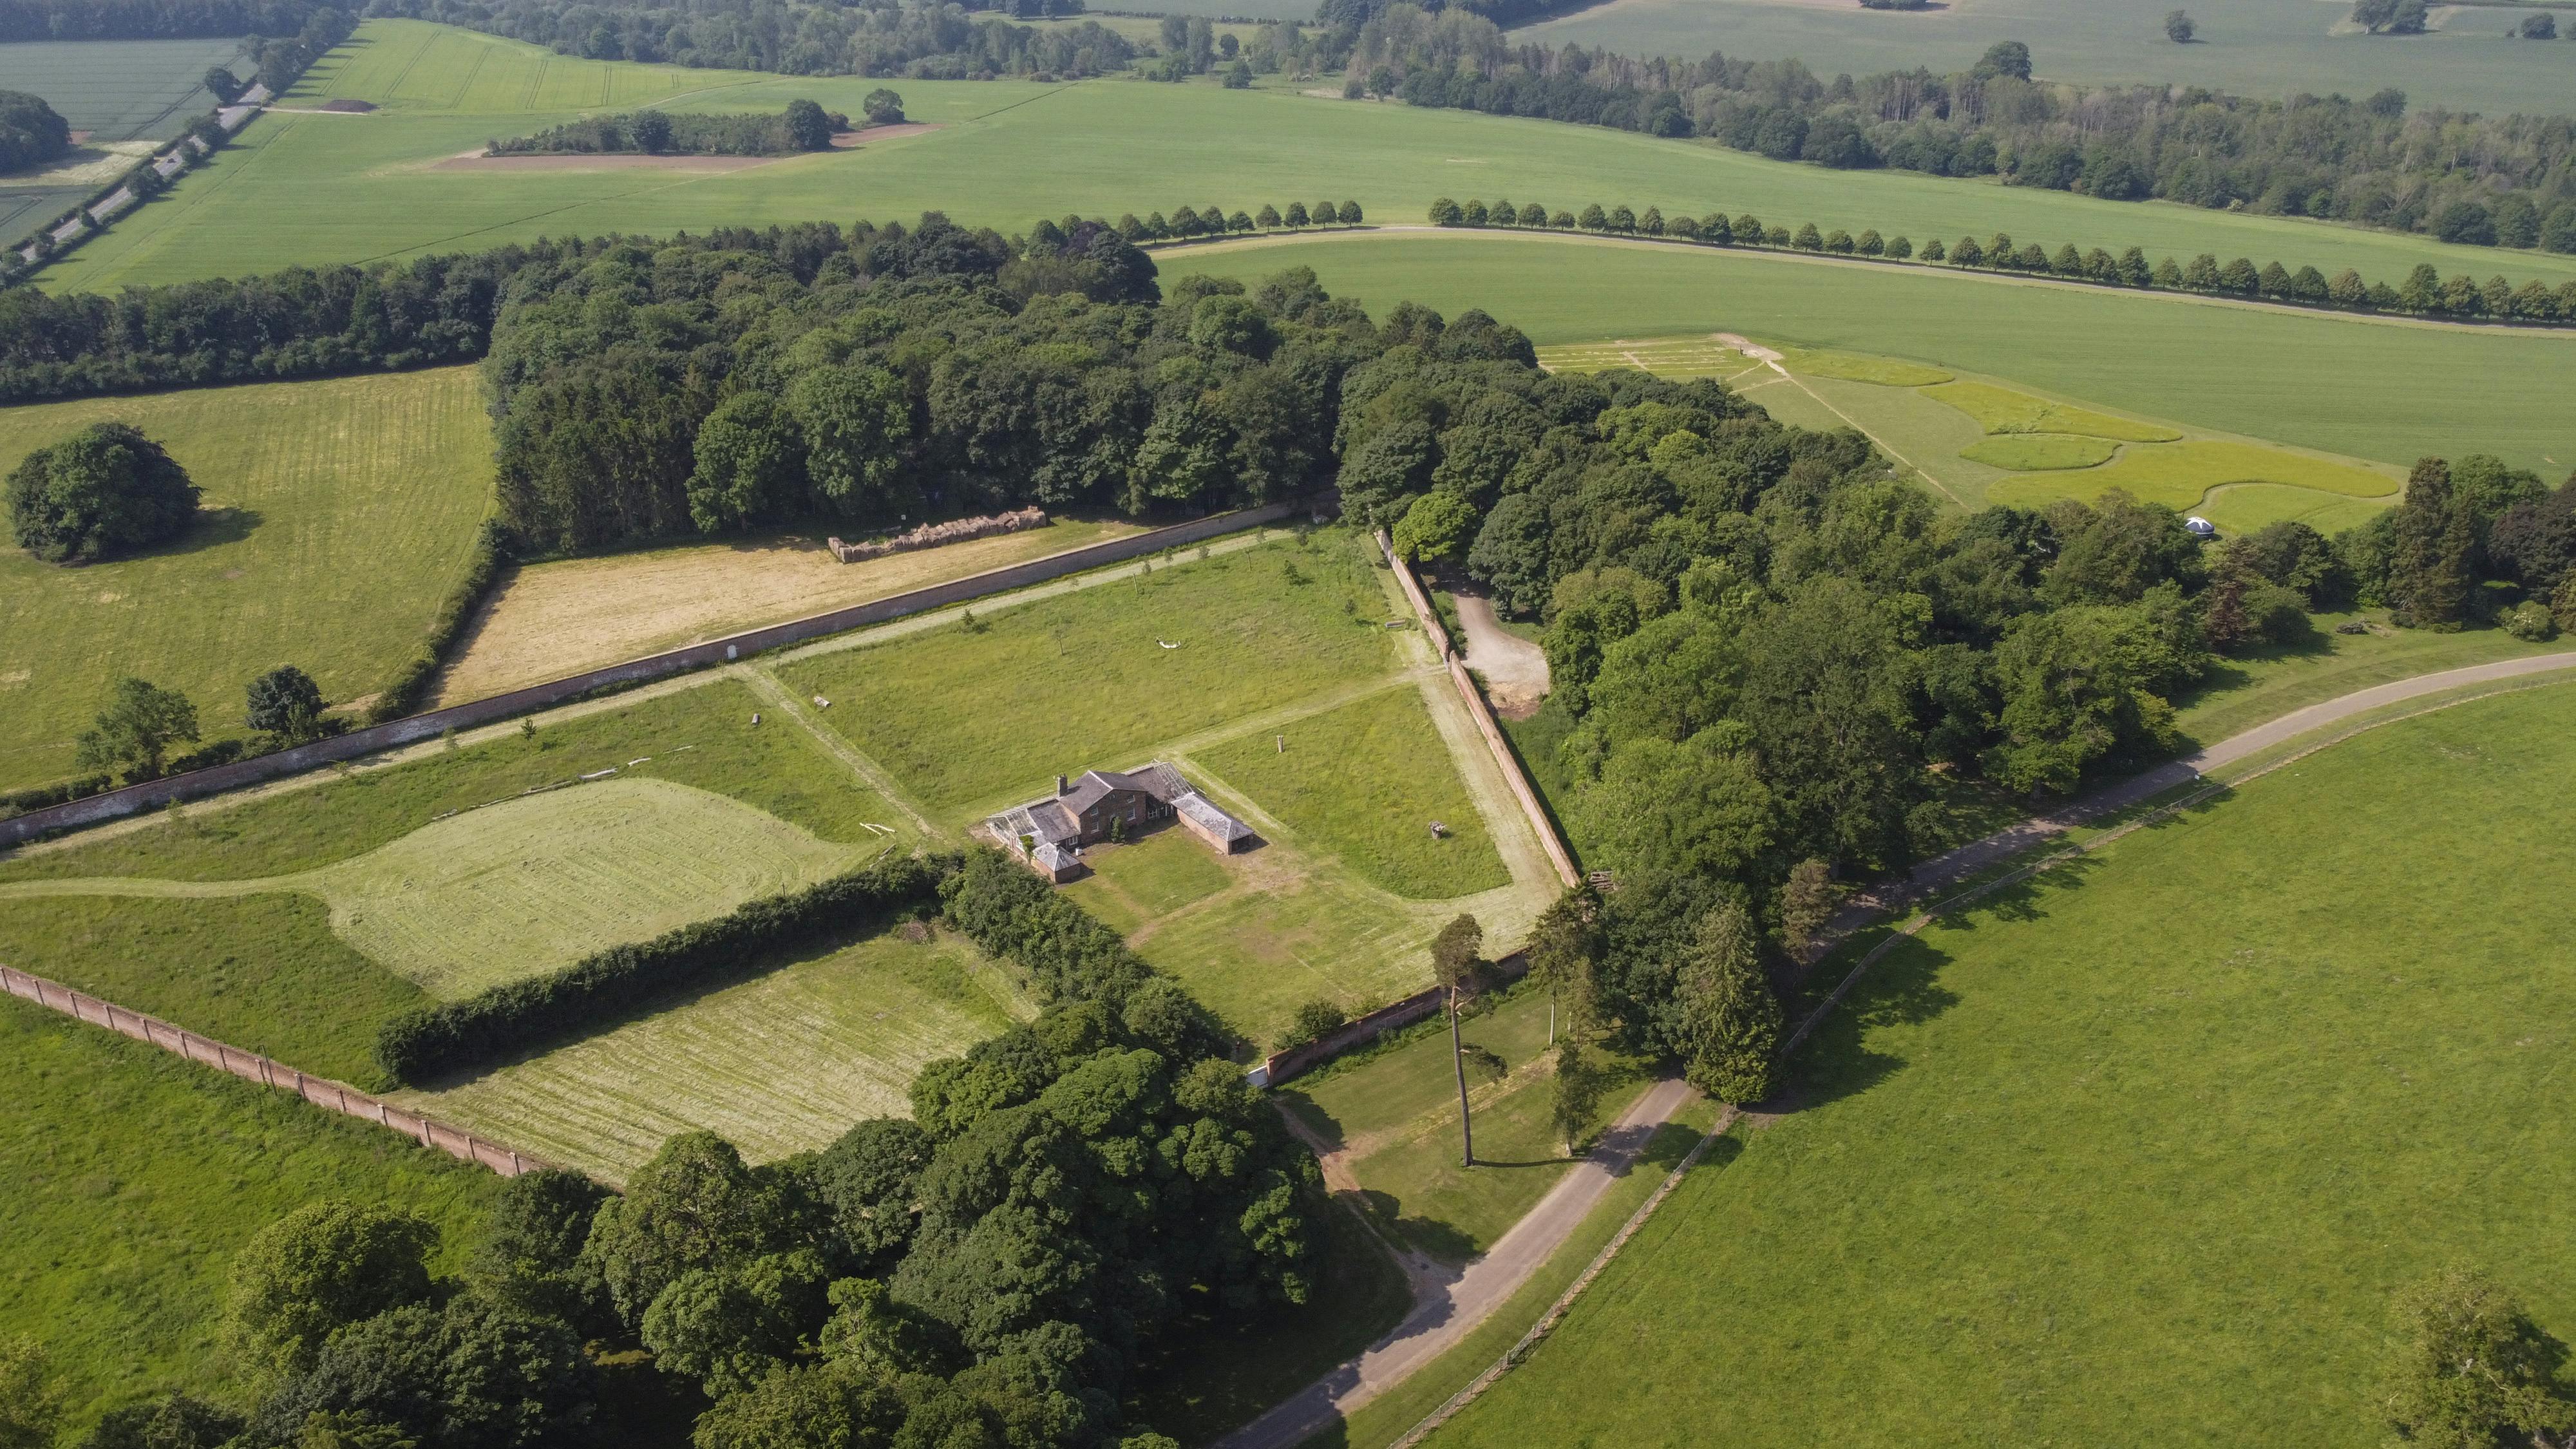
[(1395, 1112), (133, 1177), (2003, 411), (2385, 391), (117, 91), (317, 188), (2018, 451), (2139, 1153), (337, 515), (974, 718), (1364, 782), (2269, 48), (2178, 475), (781, 1063)]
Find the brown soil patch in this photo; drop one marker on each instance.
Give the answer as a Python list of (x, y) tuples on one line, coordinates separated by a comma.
[(348, 108), (554, 619), (850, 140)]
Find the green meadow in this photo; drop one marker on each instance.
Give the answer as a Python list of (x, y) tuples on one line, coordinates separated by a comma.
[(336, 516), (2385, 391), (2138, 1152), (2266, 48), (326, 188), (133, 1179)]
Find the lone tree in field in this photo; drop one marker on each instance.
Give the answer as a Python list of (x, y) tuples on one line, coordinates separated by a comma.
[(1729, 1016), (104, 491), (2467, 1367), (882, 107), (134, 733), (1455, 966), (2178, 27), (286, 703), (808, 129)]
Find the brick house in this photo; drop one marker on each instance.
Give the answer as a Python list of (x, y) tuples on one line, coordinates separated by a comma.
[(1050, 834)]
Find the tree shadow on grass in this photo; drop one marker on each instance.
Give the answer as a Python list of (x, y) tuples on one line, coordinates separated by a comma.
[(1432, 1237), (213, 528)]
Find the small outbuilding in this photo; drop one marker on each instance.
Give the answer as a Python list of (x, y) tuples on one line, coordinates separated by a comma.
[(1051, 833)]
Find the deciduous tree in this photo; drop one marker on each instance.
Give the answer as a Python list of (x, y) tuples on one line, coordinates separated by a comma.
[(134, 733)]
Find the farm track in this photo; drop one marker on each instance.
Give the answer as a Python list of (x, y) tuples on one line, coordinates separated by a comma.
[(870, 773)]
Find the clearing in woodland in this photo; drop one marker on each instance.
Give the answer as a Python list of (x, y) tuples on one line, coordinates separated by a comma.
[(313, 188), (134, 1177), (1986, 1183), (549, 620), (778, 1064), (337, 514)]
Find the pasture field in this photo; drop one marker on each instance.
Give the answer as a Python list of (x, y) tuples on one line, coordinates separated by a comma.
[(2068, 1159), (549, 620), (2266, 48), (336, 516), (2385, 391), (1393, 1115), (780, 1063), (133, 1179), (2020, 451), (982, 714), (321, 188), (1364, 782), (2179, 475), (2272, 680), (2003, 411)]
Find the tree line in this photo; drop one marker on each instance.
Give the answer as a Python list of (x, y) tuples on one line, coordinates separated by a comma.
[(802, 126), (1071, 1202), (2424, 292), (2485, 180), (874, 38)]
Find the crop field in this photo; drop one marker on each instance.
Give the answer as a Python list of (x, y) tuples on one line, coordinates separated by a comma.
[(1681, 357), (2021, 451), (2003, 411), (2064, 1159), (2268, 48), (133, 1179), (978, 715), (316, 188), (1365, 782), (1394, 1114), (2384, 391), (125, 93), (781, 1063), (336, 515), (550, 620), (1851, 367)]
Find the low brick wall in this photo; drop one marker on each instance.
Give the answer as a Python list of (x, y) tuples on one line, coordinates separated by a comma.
[(198, 784), (250, 1066), (1297, 1061)]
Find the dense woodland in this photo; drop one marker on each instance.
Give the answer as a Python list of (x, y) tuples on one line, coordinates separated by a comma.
[(2508, 181), (803, 126), (31, 134)]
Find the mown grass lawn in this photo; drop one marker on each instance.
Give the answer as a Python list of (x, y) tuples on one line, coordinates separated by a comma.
[(778, 1062), (1144, 880), (336, 516), (2140, 1153), (975, 716), (132, 1179), (2267, 682), (1365, 782)]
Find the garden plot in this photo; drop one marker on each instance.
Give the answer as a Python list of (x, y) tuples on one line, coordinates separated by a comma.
[(778, 1064)]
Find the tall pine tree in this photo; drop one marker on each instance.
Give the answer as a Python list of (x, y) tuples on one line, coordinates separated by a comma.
[(2428, 575), (1729, 1016)]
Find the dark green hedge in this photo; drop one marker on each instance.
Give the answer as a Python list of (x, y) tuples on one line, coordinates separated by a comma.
[(432, 1040), (1002, 906)]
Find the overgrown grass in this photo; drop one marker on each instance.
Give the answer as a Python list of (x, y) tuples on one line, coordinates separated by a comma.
[(2020, 451), (1299, 931), (984, 713), (263, 972), (2140, 1152), (1365, 782), (2002, 410), (1853, 367), (782, 1062), (133, 1177), (337, 515), (701, 736), (2179, 474)]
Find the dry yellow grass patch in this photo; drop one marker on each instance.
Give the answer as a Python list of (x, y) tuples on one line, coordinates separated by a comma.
[(553, 619)]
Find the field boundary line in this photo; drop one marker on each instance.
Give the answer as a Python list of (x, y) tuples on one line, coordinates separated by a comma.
[(322, 1092), (770, 687), (699, 658), (1438, 634), (1826, 403)]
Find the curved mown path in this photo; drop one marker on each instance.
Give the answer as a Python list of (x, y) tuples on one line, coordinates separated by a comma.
[(1447, 1309)]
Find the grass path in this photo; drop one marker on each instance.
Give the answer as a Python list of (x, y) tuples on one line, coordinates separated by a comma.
[(870, 773)]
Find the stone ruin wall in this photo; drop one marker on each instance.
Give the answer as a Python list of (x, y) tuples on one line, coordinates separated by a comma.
[(932, 535)]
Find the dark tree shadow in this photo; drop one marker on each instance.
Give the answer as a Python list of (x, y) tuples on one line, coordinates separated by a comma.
[(214, 528)]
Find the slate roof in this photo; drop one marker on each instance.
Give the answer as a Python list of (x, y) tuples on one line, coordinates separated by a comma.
[(1209, 816)]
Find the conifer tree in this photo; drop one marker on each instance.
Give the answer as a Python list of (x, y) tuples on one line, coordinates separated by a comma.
[(2428, 571), (1729, 1016)]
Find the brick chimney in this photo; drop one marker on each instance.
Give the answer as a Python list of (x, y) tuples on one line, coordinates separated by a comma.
[(1062, 787)]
